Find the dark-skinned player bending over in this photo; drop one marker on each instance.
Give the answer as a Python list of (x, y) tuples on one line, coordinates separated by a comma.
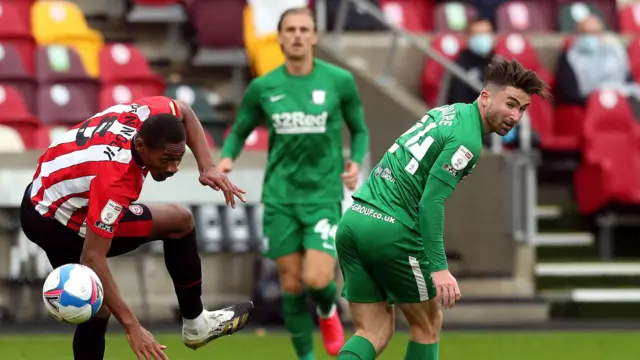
[(80, 208)]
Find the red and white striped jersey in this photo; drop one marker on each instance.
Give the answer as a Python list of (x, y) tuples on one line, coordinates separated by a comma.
[(88, 175)]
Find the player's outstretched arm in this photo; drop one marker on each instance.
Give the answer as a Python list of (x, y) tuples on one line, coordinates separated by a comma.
[(209, 174), (248, 118)]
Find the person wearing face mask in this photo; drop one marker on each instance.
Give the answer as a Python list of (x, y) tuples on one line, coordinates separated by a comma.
[(592, 61), (474, 59)]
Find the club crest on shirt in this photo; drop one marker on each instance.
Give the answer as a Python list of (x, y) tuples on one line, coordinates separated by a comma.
[(318, 97), (461, 158), (136, 209), (110, 212)]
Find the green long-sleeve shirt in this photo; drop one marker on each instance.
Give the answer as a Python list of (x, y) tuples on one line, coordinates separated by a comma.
[(305, 116), (422, 168)]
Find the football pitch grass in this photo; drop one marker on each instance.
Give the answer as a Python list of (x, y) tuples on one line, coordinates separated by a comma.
[(481, 345)]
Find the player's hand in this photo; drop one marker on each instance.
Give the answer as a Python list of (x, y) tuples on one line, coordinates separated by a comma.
[(350, 175), (447, 288), (217, 180), (225, 165), (145, 345)]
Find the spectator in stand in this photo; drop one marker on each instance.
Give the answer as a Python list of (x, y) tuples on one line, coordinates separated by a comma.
[(474, 59), (593, 61)]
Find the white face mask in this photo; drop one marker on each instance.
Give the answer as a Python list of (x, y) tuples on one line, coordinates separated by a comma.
[(481, 44), (588, 43)]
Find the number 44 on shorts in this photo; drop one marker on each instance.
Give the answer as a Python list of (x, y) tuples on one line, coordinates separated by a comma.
[(327, 233)]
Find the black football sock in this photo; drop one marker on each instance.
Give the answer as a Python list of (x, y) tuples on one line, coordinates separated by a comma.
[(183, 264), (89, 339)]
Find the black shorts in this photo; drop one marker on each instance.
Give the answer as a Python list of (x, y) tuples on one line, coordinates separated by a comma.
[(64, 246)]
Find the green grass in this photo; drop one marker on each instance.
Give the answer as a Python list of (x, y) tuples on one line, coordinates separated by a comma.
[(453, 346)]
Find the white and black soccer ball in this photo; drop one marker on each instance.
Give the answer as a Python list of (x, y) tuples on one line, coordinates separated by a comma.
[(72, 293)]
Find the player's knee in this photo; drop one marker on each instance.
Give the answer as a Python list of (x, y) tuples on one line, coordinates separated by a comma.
[(291, 280), (317, 278), (182, 218)]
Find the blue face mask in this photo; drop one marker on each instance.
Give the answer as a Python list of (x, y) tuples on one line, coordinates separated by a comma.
[(481, 44), (588, 43)]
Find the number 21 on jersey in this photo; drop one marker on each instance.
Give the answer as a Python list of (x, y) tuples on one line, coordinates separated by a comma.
[(418, 144)]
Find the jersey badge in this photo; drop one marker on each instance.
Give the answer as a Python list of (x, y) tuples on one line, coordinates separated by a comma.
[(461, 158), (318, 96), (110, 212), (136, 209)]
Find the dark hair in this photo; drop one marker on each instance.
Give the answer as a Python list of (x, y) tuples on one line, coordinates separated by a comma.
[(502, 72), (162, 129), (297, 10)]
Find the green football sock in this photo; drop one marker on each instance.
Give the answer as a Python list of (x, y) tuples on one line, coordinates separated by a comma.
[(299, 324), (357, 348), (416, 351), (324, 298)]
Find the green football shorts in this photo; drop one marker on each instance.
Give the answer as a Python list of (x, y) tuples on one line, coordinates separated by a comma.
[(290, 228), (381, 259)]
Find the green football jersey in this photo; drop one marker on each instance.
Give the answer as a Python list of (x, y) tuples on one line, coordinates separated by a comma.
[(305, 116), (445, 143)]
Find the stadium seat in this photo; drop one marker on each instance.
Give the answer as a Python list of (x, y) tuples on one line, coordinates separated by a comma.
[(268, 55), (218, 24), (64, 105), (519, 47), (63, 23), (629, 19), (357, 20), (126, 64), (607, 9), (194, 96), (609, 173), (542, 122), (10, 140), (258, 140), (15, 31), (453, 16), (14, 113), (412, 16), (59, 64), (157, 2), (23, 8), (46, 135), (523, 16), (608, 111), (118, 93), (13, 73), (573, 12), (448, 45), (569, 121)]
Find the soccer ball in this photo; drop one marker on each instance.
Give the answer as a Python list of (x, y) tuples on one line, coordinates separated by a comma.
[(72, 293)]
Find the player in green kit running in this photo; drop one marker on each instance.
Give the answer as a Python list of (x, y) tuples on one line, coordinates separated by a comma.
[(389, 242), (305, 103)]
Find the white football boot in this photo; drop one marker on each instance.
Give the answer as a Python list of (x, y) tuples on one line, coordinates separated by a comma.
[(218, 323)]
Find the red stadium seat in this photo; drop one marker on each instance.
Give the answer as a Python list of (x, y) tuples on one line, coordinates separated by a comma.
[(609, 173), (13, 73), (542, 122), (609, 111), (23, 8), (448, 45), (523, 16), (117, 94), (258, 140), (15, 30), (218, 24), (453, 16), (64, 105), (126, 64), (519, 47), (629, 17), (413, 16), (569, 121), (14, 113), (59, 64)]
